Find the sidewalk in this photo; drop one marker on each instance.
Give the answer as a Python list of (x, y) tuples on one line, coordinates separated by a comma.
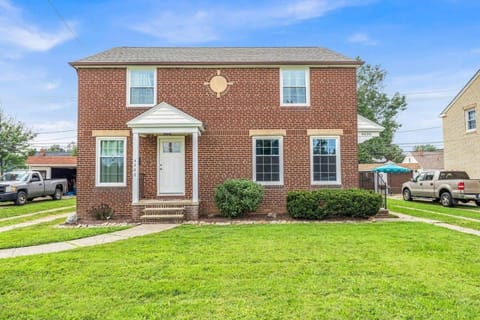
[(405, 217), (137, 231), (34, 222)]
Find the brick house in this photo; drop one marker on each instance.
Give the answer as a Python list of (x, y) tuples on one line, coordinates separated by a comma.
[(162, 127), (461, 138)]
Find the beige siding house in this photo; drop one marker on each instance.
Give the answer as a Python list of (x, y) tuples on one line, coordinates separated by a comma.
[(461, 138)]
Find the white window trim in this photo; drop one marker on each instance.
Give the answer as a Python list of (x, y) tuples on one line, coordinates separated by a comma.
[(254, 164), (339, 168), (154, 69), (97, 163), (307, 88), (466, 120)]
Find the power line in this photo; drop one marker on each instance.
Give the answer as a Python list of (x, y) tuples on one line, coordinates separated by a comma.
[(48, 132), (419, 129), (65, 22)]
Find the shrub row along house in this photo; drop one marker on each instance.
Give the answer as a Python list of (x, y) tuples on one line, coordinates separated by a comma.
[(160, 127)]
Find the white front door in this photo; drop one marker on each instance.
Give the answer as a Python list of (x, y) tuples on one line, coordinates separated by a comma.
[(171, 166)]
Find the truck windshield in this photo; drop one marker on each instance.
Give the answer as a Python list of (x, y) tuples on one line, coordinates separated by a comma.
[(14, 176)]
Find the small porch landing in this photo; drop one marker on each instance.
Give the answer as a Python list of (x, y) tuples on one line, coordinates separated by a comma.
[(164, 211)]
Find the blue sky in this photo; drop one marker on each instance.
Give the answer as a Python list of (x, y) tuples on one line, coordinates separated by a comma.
[(429, 48)]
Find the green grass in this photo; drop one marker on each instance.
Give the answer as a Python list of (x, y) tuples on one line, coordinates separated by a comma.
[(7, 209), (461, 211), (416, 209), (47, 232), (21, 219), (300, 271)]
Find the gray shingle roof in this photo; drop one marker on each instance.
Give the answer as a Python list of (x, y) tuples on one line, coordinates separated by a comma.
[(210, 55)]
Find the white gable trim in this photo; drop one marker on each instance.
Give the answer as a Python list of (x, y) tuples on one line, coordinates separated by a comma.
[(165, 118), (465, 88)]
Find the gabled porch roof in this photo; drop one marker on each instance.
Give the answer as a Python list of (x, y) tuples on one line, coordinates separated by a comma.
[(165, 118)]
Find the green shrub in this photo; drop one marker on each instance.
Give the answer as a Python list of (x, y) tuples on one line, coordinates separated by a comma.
[(237, 197), (102, 212), (330, 203)]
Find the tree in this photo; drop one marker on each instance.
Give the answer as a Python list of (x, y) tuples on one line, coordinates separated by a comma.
[(425, 147), (376, 105), (55, 148), (14, 143), (72, 148)]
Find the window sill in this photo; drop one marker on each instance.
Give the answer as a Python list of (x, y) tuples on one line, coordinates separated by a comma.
[(325, 183), (294, 105), (140, 105), (471, 131), (110, 186), (270, 184)]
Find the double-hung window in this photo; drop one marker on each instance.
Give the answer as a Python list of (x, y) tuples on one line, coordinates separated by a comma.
[(111, 162), (294, 86), (141, 89), (268, 160), (325, 160), (470, 119)]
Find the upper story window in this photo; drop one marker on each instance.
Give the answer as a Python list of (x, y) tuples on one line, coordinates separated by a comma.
[(141, 88), (268, 160), (470, 119), (294, 86)]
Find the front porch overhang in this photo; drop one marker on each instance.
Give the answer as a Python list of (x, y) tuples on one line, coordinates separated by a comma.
[(159, 120)]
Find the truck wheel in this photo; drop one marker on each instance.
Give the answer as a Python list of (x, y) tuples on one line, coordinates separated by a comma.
[(407, 195), (58, 194), (477, 203), (446, 199), (21, 198)]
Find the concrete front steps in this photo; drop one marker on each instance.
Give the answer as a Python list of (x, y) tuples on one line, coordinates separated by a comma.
[(168, 211)]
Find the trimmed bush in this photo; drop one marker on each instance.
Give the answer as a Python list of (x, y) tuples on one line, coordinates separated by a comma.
[(237, 197), (331, 203), (102, 212)]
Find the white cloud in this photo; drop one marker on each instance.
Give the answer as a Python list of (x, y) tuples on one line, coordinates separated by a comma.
[(362, 38), (25, 35), (203, 25), (50, 85), (54, 132)]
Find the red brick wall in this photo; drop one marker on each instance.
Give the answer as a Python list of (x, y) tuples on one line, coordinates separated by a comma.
[(225, 148)]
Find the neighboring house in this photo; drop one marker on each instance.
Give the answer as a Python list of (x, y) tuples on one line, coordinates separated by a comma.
[(427, 160), (159, 124), (52, 165), (370, 180), (461, 139), (367, 129)]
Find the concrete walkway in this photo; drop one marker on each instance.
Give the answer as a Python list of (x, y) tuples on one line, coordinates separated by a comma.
[(137, 231), (405, 217), (34, 222)]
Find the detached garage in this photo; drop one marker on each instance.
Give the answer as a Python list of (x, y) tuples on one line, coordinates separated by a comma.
[(56, 165)]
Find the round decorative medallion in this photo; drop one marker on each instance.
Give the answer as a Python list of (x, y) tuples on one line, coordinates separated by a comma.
[(218, 84)]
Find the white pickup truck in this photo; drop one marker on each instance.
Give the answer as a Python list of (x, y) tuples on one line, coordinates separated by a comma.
[(448, 187), (20, 186)]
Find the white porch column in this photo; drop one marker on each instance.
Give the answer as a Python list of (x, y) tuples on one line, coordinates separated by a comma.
[(195, 167), (135, 174)]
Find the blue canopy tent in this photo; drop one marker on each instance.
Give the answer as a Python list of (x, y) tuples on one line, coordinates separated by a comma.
[(392, 169)]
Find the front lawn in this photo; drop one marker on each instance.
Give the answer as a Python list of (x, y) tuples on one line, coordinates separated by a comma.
[(7, 209), (295, 271), (48, 232)]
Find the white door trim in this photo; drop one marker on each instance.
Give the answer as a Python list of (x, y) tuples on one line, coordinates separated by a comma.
[(159, 152)]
